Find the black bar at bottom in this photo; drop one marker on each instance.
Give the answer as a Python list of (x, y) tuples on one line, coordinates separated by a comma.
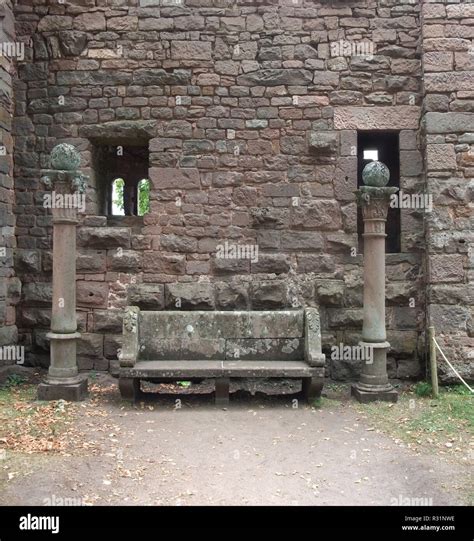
[(403, 522)]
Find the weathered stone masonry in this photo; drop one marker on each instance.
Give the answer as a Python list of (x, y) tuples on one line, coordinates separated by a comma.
[(448, 53), (9, 285), (193, 82)]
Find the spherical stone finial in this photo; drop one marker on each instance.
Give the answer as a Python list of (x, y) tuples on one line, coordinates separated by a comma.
[(65, 157), (376, 174)]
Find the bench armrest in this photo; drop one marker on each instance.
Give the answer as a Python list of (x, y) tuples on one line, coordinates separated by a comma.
[(131, 343), (313, 354)]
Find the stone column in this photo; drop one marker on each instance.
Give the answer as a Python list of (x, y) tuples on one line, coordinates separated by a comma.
[(374, 198), (68, 187)]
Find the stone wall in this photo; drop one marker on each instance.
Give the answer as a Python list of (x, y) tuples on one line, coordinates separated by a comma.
[(9, 285), (448, 64), (252, 127)]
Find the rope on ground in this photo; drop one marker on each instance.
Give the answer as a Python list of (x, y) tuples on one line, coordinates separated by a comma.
[(451, 366)]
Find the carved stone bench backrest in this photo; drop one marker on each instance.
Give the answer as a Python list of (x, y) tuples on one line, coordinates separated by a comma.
[(222, 335), (229, 335)]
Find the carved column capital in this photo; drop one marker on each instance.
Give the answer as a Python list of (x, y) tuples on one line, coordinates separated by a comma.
[(374, 202), (67, 184)]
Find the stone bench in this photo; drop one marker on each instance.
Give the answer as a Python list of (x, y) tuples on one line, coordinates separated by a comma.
[(178, 345)]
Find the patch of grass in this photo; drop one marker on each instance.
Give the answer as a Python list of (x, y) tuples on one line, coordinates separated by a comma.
[(317, 403), (184, 384), (458, 389), (335, 387), (323, 402), (444, 425), (14, 380), (423, 389), (12, 393)]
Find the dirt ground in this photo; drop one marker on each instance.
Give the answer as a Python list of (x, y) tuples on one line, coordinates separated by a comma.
[(261, 450)]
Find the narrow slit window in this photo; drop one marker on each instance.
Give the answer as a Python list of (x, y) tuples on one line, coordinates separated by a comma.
[(122, 179), (117, 197), (384, 147), (143, 196)]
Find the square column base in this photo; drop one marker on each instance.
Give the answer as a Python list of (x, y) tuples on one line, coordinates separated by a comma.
[(72, 392), (365, 397)]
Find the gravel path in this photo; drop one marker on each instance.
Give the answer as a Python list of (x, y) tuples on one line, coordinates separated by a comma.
[(261, 450)]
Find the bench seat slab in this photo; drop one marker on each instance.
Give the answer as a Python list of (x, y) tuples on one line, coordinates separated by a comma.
[(217, 369)]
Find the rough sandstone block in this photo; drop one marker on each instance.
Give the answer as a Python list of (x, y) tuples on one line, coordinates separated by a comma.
[(446, 44), (8, 335), (191, 50), (53, 23), (27, 260), (301, 240), (164, 263), (447, 268), (72, 42), (120, 24), (92, 293), (147, 296), (112, 344), (271, 263), (438, 61), (449, 122), (104, 237), (89, 22), (108, 321), (276, 77), (124, 261), (192, 296), (460, 11), (90, 345), (324, 142), (167, 177), (38, 293), (91, 261), (441, 157), (434, 11), (397, 117), (449, 82), (448, 318), (269, 295), (317, 214), (231, 296)]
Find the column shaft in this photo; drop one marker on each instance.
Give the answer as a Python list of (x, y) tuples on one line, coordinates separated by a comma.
[(374, 287), (64, 381), (373, 383), (63, 317)]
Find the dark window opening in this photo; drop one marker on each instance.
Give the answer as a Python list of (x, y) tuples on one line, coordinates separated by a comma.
[(384, 147), (123, 188)]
